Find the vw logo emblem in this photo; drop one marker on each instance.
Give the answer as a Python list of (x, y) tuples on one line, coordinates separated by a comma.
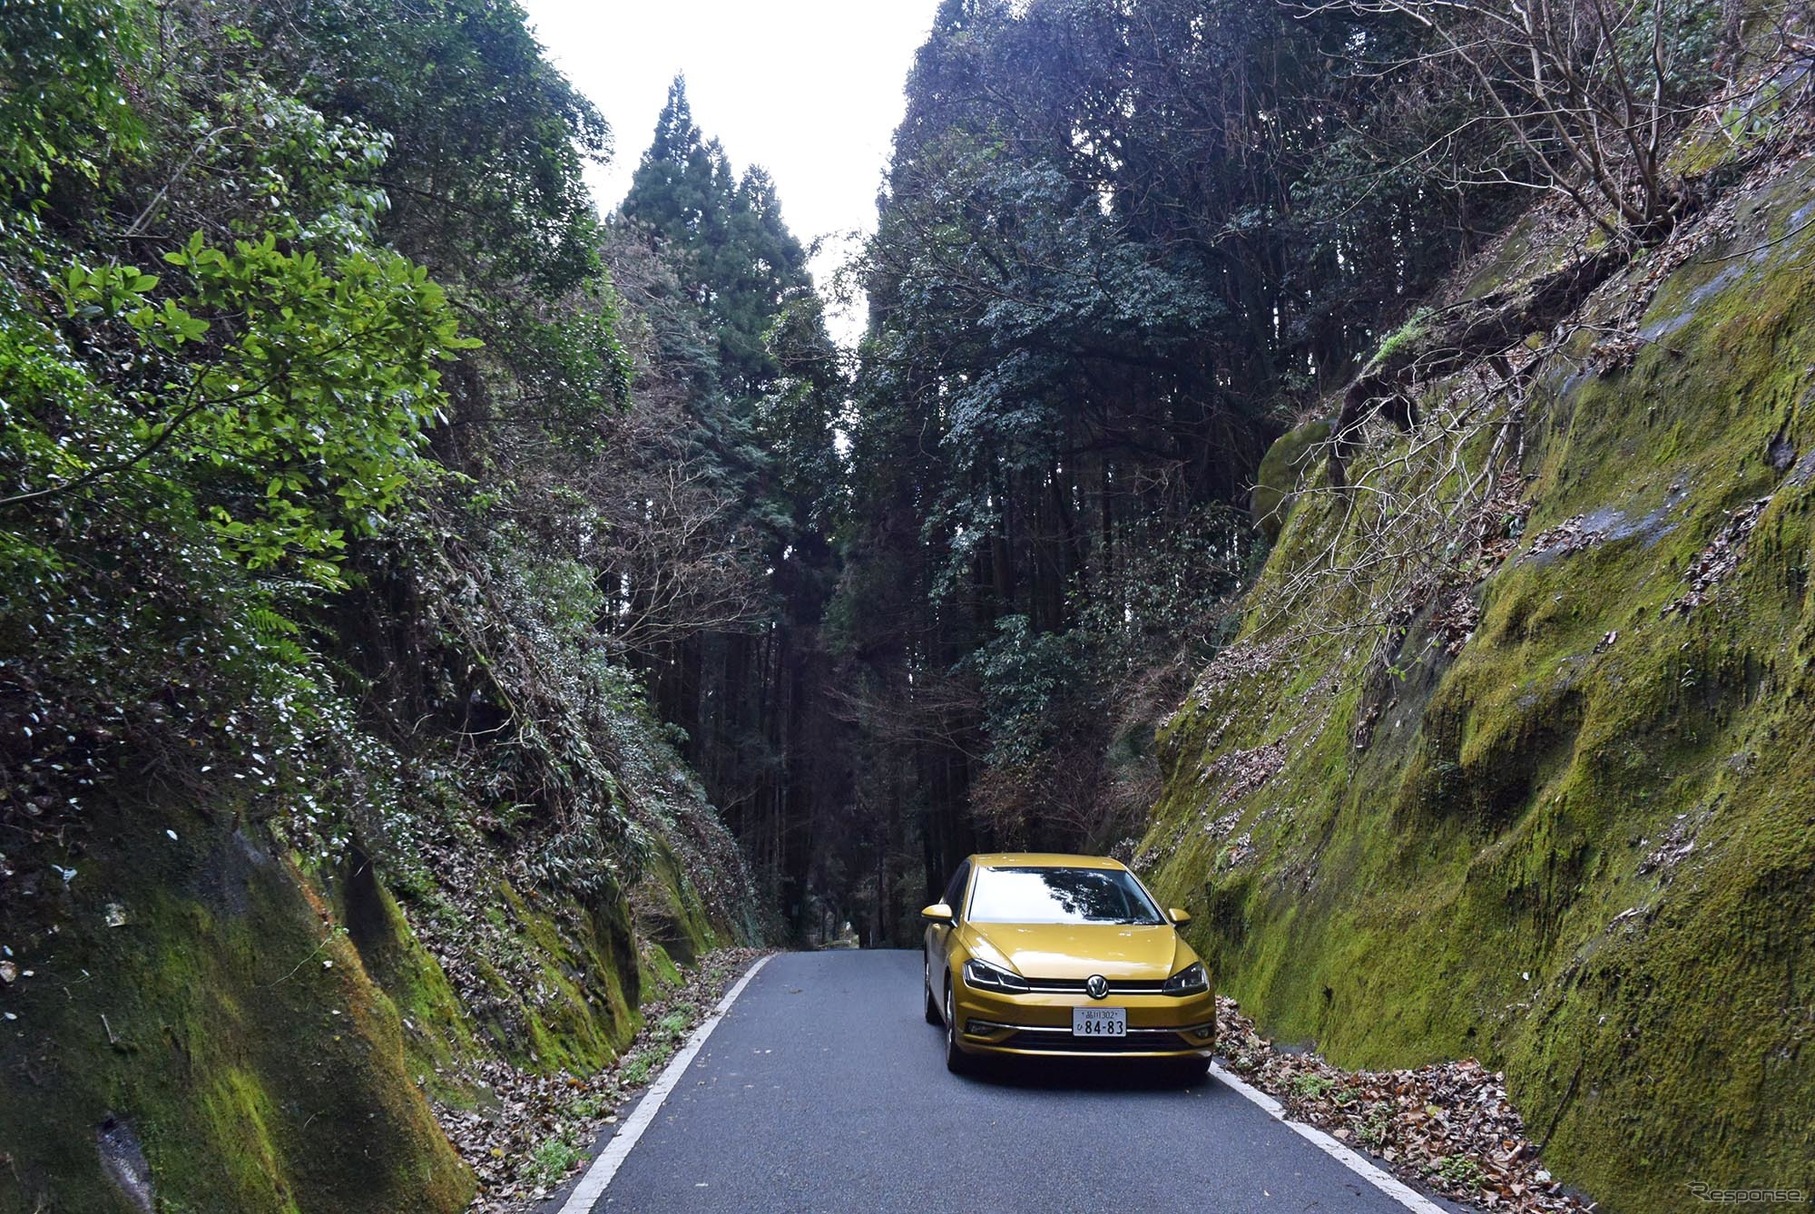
[(1096, 986)]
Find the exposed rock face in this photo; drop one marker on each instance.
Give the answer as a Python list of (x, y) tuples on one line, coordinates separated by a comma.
[(1550, 804), (201, 1019), (123, 1159)]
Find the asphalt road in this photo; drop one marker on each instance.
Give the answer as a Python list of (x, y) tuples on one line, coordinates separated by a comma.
[(824, 1090)]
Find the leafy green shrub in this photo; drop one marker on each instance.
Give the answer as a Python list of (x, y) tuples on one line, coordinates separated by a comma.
[(553, 1158), (1309, 1085), (1459, 1172)]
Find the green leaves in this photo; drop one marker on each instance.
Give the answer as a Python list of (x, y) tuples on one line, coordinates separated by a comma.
[(1034, 685), (285, 398), (321, 394), (62, 107), (108, 291), (222, 357)]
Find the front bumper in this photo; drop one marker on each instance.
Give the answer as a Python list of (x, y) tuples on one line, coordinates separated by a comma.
[(1039, 1024)]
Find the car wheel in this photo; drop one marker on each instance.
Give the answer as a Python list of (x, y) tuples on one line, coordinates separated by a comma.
[(956, 1060), (926, 990)]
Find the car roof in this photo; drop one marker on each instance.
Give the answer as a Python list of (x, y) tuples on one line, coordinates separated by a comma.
[(1041, 859)]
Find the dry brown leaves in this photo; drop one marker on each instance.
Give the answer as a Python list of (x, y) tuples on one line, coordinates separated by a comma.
[(1448, 1127), (1566, 537), (1455, 620), (1678, 842), (1715, 563), (1243, 660), (508, 1142), (1499, 522), (1245, 770)]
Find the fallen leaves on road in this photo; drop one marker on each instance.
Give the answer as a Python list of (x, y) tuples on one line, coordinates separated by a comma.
[(1448, 1127)]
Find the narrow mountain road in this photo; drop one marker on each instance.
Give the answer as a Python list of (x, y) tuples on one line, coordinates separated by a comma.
[(824, 1090)]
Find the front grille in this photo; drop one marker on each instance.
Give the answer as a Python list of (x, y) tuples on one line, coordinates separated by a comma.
[(1125, 986), (1138, 1041)]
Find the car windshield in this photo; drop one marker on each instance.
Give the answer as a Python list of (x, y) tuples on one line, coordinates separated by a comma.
[(1060, 895)]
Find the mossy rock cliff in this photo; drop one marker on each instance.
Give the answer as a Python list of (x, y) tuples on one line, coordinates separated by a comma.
[(1284, 466), (1575, 836), (201, 1020), (199, 1025)]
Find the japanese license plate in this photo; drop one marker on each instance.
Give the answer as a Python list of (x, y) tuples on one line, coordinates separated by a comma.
[(1099, 1022)]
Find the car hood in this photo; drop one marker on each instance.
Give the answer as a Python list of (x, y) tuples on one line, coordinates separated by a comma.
[(1078, 951)]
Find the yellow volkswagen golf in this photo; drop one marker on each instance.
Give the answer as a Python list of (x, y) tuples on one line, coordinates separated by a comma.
[(1069, 956)]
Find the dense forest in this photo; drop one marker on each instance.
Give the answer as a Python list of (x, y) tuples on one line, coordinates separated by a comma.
[(1122, 248), (534, 597), (893, 603)]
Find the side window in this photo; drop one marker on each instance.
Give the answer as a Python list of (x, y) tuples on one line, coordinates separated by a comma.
[(955, 890)]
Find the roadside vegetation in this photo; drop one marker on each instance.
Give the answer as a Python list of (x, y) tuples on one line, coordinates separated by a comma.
[(1501, 764), (1446, 1127), (1349, 458), (333, 799)]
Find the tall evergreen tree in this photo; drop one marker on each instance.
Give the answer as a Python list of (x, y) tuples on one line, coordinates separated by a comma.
[(726, 236), (761, 420)]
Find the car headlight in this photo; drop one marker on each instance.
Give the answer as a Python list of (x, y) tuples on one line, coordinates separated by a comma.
[(984, 976), (1192, 980)]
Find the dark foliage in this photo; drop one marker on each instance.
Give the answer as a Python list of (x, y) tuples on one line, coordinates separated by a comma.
[(747, 386), (1121, 245)]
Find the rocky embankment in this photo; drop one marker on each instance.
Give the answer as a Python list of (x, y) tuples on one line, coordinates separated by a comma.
[(1514, 759)]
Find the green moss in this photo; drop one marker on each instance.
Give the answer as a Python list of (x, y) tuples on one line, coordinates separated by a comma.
[(436, 1033), (1405, 335), (1281, 472), (1505, 260), (669, 911), (269, 1034), (225, 1021), (658, 970), (1582, 848), (577, 1010)]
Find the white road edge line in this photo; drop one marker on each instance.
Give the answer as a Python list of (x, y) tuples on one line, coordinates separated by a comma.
[(1388, 1184), (592, 1185)]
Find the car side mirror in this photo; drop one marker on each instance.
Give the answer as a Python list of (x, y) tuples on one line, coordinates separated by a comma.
[(938, 912), (1179, 917)]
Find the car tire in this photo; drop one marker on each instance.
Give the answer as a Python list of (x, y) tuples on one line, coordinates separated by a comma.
[(933, 1015), (956, 1060)]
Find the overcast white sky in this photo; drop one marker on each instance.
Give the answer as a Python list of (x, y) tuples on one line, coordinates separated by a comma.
[(809, 89)]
